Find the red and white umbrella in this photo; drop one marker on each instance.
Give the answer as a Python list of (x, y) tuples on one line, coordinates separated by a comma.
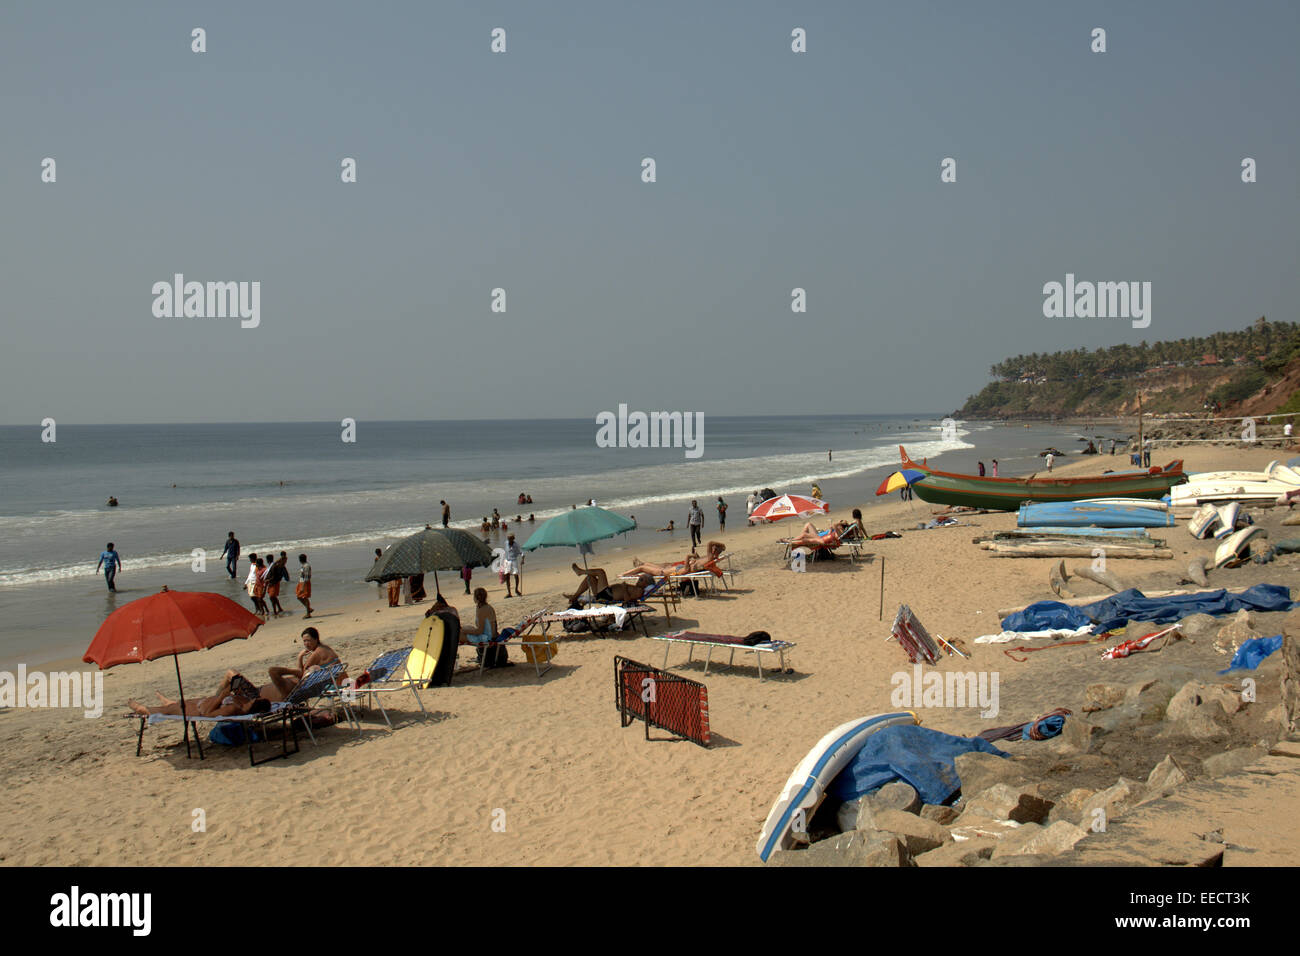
[(789, 506)]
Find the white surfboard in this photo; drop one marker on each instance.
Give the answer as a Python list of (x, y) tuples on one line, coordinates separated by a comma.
[(1236, 543), (805, 787)]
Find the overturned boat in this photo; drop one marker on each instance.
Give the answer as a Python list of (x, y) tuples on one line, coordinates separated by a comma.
[(1008, 494)]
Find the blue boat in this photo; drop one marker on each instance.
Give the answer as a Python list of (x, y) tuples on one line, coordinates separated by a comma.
[(1079, 514)]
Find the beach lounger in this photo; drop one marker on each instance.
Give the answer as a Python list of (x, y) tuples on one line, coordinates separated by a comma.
[(600, 617), (409, 668), (296, 707), (728, 642)]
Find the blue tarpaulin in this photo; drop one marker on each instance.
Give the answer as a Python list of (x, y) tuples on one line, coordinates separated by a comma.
[(916, 755), (1118, 609), (1252, 653)]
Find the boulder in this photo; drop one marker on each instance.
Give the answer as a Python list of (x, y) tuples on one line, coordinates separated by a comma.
[(1195, 697), (1102, 697), (1113, 802), (1196, 626), (979, 771), (895, 795), (1150, 698), (1034, 840), (965, 853), (940, 814), (1232, 761), (848, 849), (1235, 633), (1196, 726), (1291, 671), (1078, 736), (1022, 803), (970, 826), (918, 834), (1070, 806), (1165, 776)]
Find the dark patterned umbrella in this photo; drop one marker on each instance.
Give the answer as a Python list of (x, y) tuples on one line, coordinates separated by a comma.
[(433, 549)]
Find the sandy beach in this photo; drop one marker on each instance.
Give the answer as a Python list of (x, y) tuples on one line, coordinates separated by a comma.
[(548, 758)]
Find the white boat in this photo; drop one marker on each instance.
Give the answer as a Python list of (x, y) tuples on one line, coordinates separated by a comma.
[(1204, 521), (1229, 515), (1151, 504), (1236, 543), (805, 787), (1198, 492)]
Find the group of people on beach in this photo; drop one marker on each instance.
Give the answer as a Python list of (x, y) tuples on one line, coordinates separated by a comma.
[(265, 576), (237, 696)]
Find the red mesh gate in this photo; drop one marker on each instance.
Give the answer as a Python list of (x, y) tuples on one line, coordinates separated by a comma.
[(670, 702)]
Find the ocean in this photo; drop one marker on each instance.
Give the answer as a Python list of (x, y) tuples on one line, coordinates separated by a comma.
[(301, 488)]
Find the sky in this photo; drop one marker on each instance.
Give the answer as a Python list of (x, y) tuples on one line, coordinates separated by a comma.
[(522, 171)]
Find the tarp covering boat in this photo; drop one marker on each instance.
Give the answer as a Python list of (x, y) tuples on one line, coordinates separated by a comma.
[(919, 756), (1078, 514), (1118, 609)]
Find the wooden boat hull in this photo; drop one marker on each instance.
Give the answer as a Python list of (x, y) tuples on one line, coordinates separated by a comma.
[(1008, 494)]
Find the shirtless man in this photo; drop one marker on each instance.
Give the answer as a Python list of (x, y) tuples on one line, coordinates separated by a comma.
[(314, 654)]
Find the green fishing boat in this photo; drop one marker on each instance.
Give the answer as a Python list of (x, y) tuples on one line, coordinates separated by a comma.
[(1008, 494)]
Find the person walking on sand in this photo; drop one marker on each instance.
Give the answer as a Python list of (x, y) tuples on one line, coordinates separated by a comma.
[(379, 585), (303, 590), (111, 562), (995, 467), (231, 553), (981, 464), (466, 573), (722, 514), (446, 513), (510, 565), (1050, 458), (695, 521)]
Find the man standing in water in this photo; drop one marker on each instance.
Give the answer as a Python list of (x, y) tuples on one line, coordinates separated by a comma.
[(695, 521), (446, 513), (111, 562), (231, 553)]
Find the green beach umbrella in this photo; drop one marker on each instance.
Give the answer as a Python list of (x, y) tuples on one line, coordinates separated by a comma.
[(433, 549), (578, 528)]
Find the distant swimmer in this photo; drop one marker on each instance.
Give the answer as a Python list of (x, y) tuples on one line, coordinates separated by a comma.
[(670, 526), (112, 502)]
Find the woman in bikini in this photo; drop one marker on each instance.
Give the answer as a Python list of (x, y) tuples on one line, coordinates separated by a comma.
[(810, 537)]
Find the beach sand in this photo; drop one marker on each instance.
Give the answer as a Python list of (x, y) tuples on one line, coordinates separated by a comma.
[(510, 770)]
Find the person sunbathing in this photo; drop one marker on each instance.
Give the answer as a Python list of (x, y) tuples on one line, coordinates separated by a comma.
[(314, 654), (595, 581), (691, 564), (810, 537), (235, 696)]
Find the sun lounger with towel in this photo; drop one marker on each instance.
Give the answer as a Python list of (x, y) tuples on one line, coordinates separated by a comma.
[(729, 642)]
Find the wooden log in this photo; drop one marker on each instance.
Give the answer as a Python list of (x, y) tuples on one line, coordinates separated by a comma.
[(1104, 578)]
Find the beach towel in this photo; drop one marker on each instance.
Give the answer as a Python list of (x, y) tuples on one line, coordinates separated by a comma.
[(1252, 653), (918, 756), (1118, 609)]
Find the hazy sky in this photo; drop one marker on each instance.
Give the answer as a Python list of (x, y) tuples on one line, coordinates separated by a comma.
[(522, 171)]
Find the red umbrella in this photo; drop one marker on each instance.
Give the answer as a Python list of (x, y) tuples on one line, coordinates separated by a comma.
[(169, 623), (789, 506)]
